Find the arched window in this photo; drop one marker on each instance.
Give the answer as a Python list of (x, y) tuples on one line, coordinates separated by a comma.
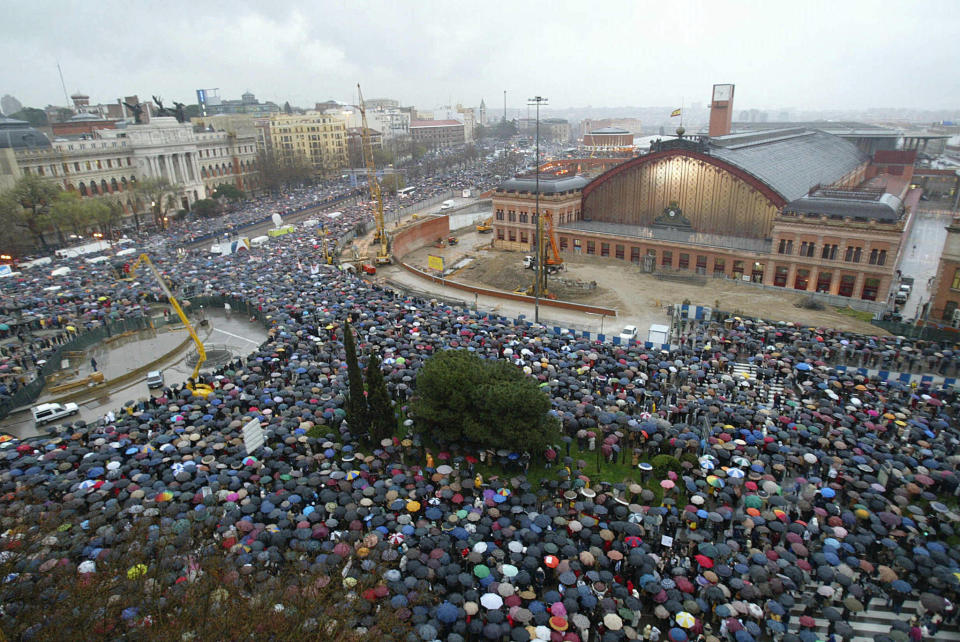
[(93, 188), (103, 186), (83, 189), (113, 185), (123, 183), (203, 172)]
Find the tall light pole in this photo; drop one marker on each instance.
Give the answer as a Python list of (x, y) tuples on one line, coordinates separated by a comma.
[(538, 286)]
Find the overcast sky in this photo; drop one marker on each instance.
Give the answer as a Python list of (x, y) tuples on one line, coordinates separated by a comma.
[(839, 54)]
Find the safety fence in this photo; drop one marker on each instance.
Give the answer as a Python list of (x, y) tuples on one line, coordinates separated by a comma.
[(923, 330)]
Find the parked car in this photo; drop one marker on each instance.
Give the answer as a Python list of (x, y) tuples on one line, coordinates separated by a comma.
[(47, 412), (629, 333), (155, 379)]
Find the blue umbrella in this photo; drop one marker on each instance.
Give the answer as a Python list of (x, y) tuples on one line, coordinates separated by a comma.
[(447, 613), (900, 586)]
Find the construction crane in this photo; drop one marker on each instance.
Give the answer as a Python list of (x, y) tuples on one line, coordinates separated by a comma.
[(327, 255), (380, 236), (552, 262), (199, 389)]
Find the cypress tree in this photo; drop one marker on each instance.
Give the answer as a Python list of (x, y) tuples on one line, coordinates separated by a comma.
[(357, 414), (381, 418)]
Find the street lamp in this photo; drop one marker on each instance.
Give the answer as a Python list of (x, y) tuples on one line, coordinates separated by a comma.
[(538, 100)]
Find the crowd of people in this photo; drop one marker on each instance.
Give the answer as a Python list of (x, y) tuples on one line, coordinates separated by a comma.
[(775, 506)]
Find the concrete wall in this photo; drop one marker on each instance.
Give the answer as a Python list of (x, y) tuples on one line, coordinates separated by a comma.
[(567, 305), (421, 233)]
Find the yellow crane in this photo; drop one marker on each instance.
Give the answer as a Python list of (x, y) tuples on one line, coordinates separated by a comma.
[(199, 389), (380, 236)]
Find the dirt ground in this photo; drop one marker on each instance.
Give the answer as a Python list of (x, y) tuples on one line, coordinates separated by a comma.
[(639, 298)]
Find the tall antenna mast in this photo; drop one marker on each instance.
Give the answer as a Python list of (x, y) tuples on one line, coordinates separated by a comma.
[(63, 84)]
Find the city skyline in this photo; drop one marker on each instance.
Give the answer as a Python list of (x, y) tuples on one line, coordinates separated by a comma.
[(427, 54)]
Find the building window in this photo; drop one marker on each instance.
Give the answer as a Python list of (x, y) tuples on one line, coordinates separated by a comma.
[(829, 252), (499, 215), (757, 275), (801, 280), (499, 235), (513, 235), (719, 267), (807, 249), (512, 216), (618, 250), (882, 257), (523, 236), (873, 256), (684, 262), (870, 287), (563, 242), (591, 247), (780, 277), (847, 283), (823, 282), (634, 254), (955, 285), (604, 249), (701, 264), (523, 217), (785, 247)]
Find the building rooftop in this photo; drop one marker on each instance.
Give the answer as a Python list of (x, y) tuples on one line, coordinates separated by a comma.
[(19, 134), (548, 184), (837, 128), (873, 204), (609, 130), (434, 123), (790, 161)]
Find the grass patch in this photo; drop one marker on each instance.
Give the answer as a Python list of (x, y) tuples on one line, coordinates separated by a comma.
[(860, 315)]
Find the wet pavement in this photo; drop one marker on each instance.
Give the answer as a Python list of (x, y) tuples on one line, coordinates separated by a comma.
[(233, 331), (921, 255)]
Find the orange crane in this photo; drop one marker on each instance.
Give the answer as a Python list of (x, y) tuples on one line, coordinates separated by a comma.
[(380, 236)]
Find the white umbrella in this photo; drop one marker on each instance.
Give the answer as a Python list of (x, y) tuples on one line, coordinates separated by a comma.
[(491, 601)]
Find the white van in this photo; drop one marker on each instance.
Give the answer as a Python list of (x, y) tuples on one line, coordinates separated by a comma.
[(257, 241), (446, 205), (47, 412)]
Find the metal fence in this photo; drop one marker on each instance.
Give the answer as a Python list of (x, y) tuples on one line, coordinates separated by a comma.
[(929, 331)]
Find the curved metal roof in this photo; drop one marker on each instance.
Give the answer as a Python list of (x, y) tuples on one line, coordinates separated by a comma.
[(548, 185), (609, 130), (19, 134), (790, 161)]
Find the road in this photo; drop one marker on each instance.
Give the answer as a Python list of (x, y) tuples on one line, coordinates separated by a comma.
[(921, 255), (232, 330)]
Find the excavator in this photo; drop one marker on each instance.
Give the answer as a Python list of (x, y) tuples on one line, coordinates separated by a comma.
[(380, 236), (485, 226), (198, 389)]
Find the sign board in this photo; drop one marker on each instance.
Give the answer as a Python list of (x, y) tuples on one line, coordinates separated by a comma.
[(666, 540), (252, 436), (435, 262), (6, 270)]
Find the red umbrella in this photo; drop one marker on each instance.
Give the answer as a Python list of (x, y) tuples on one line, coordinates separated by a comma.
[(704, 561)]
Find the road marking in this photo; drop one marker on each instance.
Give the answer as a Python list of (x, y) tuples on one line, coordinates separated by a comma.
[(237, 336)]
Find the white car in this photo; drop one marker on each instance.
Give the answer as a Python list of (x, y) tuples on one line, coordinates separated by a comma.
[(155, 379), (629, 333), (47, 412)]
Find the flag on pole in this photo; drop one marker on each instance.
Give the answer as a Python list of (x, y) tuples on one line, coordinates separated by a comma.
[(674, 113)]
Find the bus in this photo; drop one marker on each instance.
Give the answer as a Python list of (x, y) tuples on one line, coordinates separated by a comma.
[(406, 191)]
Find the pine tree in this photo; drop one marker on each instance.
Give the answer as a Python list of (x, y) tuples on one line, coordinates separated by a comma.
[(357, 413), (382, 419)]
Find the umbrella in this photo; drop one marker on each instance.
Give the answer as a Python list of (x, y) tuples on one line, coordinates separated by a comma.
[(685, 619)]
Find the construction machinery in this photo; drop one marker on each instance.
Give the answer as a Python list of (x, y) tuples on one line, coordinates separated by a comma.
[(380, 236), (198, 389), (327, 254), (485, 226), (552, 262)]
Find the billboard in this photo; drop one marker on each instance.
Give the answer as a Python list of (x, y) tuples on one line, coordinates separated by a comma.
[(435, 262)]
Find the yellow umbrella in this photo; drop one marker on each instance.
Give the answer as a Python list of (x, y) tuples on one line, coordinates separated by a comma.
[(136, 571), (413, 507), (686, 620)]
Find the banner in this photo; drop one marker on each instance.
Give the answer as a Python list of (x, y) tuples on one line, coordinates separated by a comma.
[(435, 262), (252, 436)]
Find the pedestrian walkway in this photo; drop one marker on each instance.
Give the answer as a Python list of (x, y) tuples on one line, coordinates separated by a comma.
[(866, 625), (750, 371)]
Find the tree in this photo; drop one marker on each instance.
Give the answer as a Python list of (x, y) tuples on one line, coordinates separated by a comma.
[(279, 171), (206, 208), (390, 183), (27, 205), (229, 191), (379, 406), (287, 109), (156, 193), (109, 215), (32, 115), (491, 403), (68, 211), (357, 415)]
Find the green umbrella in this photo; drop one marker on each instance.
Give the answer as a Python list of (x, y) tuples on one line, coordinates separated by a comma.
[(753, 501), (481, 571)]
